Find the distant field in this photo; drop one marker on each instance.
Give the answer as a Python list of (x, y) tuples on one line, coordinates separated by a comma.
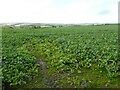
[(69, 57), (0, 30)]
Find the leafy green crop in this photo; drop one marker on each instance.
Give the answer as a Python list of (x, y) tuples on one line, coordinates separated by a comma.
[(18, 64), (73, 50)]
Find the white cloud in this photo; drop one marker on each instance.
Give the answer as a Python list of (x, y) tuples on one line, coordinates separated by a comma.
[(22, 10), (81, 11)]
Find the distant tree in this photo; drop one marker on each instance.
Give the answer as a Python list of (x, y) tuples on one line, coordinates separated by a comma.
[(54, 26)]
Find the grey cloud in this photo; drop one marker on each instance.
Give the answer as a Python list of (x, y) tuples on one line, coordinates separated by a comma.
[(104, 12)]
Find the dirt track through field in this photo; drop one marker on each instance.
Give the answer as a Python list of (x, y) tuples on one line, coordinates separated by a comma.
[(47, 82)]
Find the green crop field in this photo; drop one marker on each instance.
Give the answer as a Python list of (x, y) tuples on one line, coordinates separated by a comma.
[(64, 57)]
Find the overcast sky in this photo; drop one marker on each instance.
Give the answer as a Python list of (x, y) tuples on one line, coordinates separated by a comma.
[(59, 11)]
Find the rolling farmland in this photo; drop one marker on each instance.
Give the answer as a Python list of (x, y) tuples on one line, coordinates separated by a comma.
[(68, 56)]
